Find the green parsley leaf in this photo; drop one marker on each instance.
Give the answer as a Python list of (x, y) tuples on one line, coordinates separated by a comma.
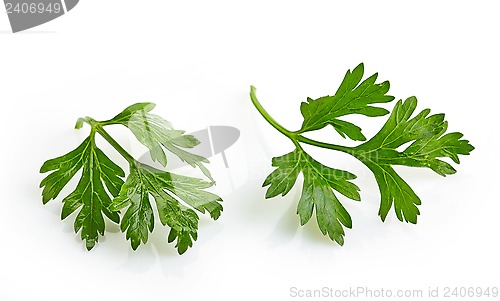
[(429, 144), (425, 134), (352, 97), (164, 187), (90, 193), (101, 189), (155, 132), (317, 191)]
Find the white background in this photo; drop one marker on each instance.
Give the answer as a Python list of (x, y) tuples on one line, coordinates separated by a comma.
[(196, 61)]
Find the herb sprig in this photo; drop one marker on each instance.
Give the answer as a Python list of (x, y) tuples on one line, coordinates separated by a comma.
[(101, 190), (425, 134)]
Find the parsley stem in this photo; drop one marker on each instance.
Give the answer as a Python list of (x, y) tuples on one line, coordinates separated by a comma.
[(266, 115), (96, 127), (294, 136), (99, 129), (336, 147)]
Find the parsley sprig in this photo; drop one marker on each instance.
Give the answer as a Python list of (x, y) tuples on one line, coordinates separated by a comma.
[(101, 190), (425, 134)]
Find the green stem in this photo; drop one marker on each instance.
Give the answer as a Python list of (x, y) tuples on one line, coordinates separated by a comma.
[(296, 137), (116, 145), (266, 115), (97, 127), (336, 147)]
